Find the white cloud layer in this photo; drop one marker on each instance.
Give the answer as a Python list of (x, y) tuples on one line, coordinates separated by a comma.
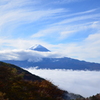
[(85, 83), (88, 49), (29, 55)]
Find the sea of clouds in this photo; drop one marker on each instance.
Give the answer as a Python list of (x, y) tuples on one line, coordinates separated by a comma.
[(85, 83)]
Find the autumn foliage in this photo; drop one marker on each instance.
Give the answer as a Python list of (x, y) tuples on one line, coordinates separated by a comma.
[(94, 97), (14, 87)]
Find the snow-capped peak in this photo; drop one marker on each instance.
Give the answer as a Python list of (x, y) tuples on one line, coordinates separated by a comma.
[(39, 47), (36, 46)]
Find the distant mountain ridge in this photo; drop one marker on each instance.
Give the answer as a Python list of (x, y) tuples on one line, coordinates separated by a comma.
[(52, 62), (58, 63)]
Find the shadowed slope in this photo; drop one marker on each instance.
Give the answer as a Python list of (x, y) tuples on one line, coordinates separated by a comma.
[(27, 75), (14, 85)]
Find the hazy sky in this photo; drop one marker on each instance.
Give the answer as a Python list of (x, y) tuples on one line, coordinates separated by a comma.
[(68, 26)]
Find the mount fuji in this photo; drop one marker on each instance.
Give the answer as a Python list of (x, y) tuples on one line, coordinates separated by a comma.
[(39, 47), (43, 59)]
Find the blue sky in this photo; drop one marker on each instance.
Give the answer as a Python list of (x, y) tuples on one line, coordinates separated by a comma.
[(68, 26)]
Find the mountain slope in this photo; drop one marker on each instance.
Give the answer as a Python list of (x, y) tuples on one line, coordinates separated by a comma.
[(27, 75), (14, 85)]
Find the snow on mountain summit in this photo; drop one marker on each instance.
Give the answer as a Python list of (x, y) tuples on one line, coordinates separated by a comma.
[(39, 47)]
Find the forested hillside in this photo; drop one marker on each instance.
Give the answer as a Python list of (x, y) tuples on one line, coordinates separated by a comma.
[(13, 86), (19, 84), (94, 97)]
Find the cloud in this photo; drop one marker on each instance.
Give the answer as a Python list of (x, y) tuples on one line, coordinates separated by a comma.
[(29, 55), (85, 83), (87, 50), (59, 2), (25, 11), (70, 25), (64, 31), (10, 44), (66, 1), (84, 17), (25, 16), (93, 37), (82, 13), (28, 11)]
